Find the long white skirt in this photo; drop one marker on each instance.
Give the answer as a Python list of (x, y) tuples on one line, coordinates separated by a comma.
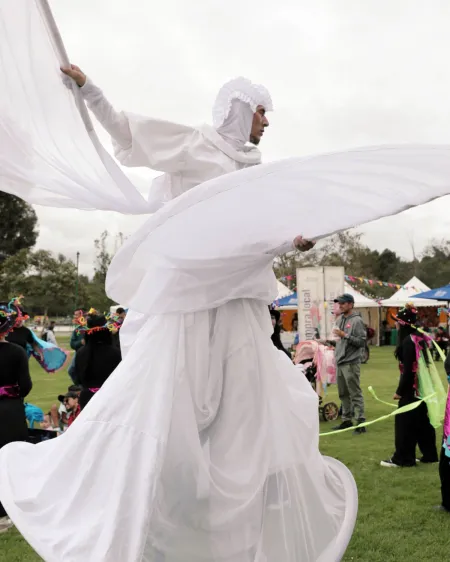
[(201, 447)]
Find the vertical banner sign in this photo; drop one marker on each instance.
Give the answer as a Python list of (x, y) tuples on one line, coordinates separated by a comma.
[(334, 286), (311, 310)]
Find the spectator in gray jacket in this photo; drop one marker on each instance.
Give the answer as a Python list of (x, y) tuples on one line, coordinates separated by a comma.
[(352, 336)]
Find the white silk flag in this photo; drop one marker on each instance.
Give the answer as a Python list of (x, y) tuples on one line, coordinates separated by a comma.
[(49, 152)]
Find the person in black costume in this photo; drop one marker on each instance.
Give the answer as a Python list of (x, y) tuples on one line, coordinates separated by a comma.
[(20, 334), (411, 428), (15, 384), (96, 360), (276, 339), (444, 463)]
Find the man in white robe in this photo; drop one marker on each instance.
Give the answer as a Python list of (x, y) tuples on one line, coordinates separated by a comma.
[(187, 155), (202, 445)]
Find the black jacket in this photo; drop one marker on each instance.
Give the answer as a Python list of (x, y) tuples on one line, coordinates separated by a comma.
[(94, 362), (407, 356), (14, 371)]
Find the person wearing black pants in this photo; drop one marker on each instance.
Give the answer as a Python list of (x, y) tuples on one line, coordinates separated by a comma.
[(411, 428), (444, 464), (15, 384)]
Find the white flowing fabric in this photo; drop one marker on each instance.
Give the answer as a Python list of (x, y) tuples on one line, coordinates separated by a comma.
[(237, 126), (48, 154), (203, 444), (169, 265)]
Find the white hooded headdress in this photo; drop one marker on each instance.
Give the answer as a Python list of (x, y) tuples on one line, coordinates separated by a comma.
[(233, 110)]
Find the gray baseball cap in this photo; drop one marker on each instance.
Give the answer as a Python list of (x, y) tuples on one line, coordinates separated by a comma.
[(346, 297)]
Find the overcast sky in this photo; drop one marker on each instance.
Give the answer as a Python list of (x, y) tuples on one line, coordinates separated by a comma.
[(342, 73)]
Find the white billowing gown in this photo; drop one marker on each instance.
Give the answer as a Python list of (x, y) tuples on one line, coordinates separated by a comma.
[(196, 447), (203, 444)]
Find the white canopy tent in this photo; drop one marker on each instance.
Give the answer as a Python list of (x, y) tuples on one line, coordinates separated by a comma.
[(406, 294), (283, 291), (368, 308), (361, 301)]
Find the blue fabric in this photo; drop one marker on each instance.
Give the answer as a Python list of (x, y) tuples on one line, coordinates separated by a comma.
[(51, 358), (446, 447), (33, 414), (440, 294)]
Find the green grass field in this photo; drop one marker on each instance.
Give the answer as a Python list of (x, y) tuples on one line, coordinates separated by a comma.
[(396, 520)]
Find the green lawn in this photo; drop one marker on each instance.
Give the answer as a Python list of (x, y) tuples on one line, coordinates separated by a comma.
[(396, 520)]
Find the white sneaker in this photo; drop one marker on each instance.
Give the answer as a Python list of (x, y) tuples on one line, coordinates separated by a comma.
[(389, 464)]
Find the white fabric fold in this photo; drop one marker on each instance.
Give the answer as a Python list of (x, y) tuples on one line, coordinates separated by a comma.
[(202, 447), (188, 270), (237, 126), (47, 156)]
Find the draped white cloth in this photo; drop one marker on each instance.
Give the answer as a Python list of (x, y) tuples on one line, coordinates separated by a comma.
[(187, 155), (321, 195), (203, 444), (238, 124), (48, 154)]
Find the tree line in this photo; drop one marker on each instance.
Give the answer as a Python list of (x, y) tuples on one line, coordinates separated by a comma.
[(48, 281), (346, 249)]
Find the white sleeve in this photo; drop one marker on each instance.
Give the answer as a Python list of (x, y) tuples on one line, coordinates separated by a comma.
[(138, 140), (285, 248), (115, 123)]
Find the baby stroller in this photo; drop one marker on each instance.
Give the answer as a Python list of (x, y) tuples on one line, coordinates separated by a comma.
[(36, 436), (318, 365)]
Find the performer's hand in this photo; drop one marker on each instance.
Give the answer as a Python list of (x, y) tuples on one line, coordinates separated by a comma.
[(339, 333), (75, 73), (397, 397), (303, 245)]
